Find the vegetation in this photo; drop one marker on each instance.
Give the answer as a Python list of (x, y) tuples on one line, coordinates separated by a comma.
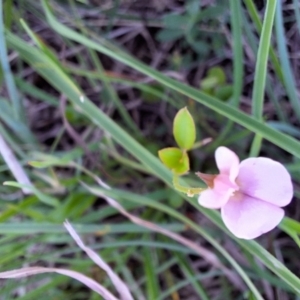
[(89, 92)]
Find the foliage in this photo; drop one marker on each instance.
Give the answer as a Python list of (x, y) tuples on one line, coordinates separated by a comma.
[(89, 94)]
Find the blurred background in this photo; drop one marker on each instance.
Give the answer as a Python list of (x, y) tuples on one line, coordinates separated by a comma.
[(54, 143)]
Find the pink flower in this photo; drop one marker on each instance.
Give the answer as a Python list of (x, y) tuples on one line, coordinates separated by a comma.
[(250, 194)]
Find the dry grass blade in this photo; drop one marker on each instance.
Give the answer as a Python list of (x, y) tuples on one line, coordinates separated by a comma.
[(118, 283), (92, 284), (204, 253), (14, 166)]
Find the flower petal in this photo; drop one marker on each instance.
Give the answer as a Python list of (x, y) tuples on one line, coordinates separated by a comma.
[(227, 162), (217, 196), (265, 179), (247, 217)]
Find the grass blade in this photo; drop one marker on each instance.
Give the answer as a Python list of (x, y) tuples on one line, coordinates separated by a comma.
[(289, 79), (262, 60), (238, 72), (63, 83), (12, 90), (285, 142), (261, 72), (256, 20)]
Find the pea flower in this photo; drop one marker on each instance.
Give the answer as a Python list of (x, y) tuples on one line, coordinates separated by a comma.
[(250, 193)]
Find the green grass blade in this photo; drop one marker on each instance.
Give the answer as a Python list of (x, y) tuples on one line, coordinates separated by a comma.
[(256, 145), (291, 227), (253, 43), (149, 202), (262, 61), (285, 142), (152, 285), (46, 199), (251, 246), (34, 91), (256, 20), (289, 79), (12, 90), (238, 72), (261, 72), (53, 74), (190, 275), (283, 71), (34, 228)]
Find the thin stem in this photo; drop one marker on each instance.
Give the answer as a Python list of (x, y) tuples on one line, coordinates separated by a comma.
[(189, 191)]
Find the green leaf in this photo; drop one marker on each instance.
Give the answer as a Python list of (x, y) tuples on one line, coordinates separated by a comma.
[(218, 73), (200, 47), (170, 157), (208, 83), (192, 7), (46, 199), (215, 77), (212, 12), (169, 35), (175, 159), (184, 129), (224, 92), (175, 21)]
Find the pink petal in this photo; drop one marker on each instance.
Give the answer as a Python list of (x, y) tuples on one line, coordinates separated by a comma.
[(217, 196), (265, 179), (247, 217), (227, 162)]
